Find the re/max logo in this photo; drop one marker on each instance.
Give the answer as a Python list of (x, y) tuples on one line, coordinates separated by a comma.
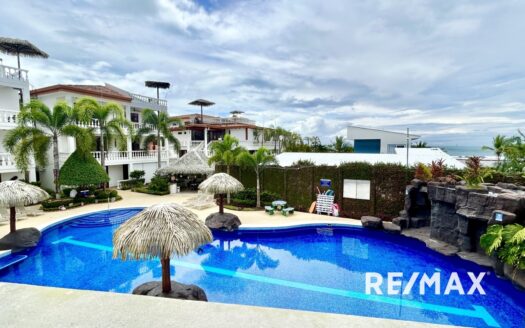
[(396, 286)]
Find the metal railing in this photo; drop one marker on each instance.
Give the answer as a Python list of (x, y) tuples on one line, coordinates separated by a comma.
[(14, 73)]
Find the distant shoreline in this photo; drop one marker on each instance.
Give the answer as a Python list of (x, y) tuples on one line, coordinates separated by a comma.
[(466, 151)]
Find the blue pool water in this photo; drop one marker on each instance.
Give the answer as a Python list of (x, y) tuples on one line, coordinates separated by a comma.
[(314, 268)]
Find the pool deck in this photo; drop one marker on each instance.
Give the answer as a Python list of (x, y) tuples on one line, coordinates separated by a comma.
[(36, 306)]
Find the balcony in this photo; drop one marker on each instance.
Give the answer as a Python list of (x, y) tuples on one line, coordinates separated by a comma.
[(7, 163), (8, 118), (133, 156), (13, 77), (157, 103)]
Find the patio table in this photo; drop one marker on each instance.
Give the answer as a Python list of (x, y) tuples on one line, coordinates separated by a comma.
[(279, 204)]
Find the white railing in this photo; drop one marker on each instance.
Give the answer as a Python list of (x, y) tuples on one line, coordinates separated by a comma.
[(142, 125), (7, 162), (160, 102), (14, 73), (228, 120), (8, 117), (134, 155)]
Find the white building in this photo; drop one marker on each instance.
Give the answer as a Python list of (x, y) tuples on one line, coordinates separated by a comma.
[(119, 163), (415, 156), (375, 141), (204, 130), (14, 91)]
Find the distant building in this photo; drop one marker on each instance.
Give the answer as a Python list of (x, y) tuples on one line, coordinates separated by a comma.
[(200, 132), (375, 141), (119, 163)]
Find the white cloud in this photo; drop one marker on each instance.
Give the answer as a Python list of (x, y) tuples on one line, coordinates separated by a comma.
[(441, 68)]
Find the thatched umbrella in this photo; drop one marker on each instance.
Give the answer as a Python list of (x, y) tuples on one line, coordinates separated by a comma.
[(19, 47), (160, 231), (202, 103), (221, 183), (15, 193), (193, 162)]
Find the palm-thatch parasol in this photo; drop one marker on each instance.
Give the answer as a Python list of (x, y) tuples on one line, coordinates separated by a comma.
[(16, 193), (19, 47), (221, 183), (160, 231), (202, 103)]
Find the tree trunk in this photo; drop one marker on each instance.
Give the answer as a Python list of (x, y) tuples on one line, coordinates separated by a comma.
[(26, 175), (166, 275), (56, 162), (12, 219), (258, 190), (102, 149), (228, 194), (158, 145), (221, 203)]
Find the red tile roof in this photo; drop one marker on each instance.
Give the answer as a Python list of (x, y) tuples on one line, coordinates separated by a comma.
[(88, 90)]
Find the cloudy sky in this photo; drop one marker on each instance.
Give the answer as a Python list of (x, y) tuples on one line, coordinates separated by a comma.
[(452, 71)]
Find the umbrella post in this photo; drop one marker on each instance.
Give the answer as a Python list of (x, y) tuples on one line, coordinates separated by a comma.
[(12, 219), (166, 275), (221, 203)]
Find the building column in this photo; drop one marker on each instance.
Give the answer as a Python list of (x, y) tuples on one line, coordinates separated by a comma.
[(206, 141)]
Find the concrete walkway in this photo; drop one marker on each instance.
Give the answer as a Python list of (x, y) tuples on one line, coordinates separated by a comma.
[(134, 199), (35, 306)]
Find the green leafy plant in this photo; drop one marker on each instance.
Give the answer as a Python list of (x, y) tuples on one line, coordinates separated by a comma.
[(82, 169), (158, 184), (507, 242), (475, 174), (137, 174), (257, 161)]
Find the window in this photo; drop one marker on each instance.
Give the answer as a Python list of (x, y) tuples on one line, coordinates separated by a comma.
[(356, 189)]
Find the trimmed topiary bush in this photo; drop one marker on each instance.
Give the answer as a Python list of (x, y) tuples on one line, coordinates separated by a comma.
[(159, 184), (82, 170)]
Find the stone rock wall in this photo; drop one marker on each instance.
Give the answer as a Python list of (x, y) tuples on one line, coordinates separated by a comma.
[(459, 215)]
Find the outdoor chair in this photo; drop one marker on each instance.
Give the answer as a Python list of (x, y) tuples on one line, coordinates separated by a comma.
[(269, 209), (287, 211)]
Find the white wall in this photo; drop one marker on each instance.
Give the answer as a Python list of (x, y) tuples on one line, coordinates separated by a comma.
[(386, 137), (9, 99), (148, 168), (240, 134), (115, 173)]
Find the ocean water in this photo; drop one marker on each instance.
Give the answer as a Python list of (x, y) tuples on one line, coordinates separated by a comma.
[(316, 268)]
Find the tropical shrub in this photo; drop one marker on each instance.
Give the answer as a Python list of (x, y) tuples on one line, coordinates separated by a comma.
[(248, 198), (56, 203), (423, 172), (129, 184), (303, 163), (82, 169), (137, 174), (437, 169), (475, 174), (507, 243), (159, 184)]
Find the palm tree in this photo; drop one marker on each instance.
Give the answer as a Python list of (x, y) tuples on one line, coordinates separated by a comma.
[(225, 152), (111, 120), (159, 123), (499, 143), (39, 124), (420, 144), (258, 162), (340, 145)]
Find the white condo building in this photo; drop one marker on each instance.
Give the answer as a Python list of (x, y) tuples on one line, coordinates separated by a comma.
[(200, 131), (14, 91), (119, 163)]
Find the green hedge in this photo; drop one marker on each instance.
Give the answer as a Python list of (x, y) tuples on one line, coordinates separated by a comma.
[(129, 184), (145, 190)]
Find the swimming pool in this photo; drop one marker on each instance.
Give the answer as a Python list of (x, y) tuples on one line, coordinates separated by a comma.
[(315, 268)]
